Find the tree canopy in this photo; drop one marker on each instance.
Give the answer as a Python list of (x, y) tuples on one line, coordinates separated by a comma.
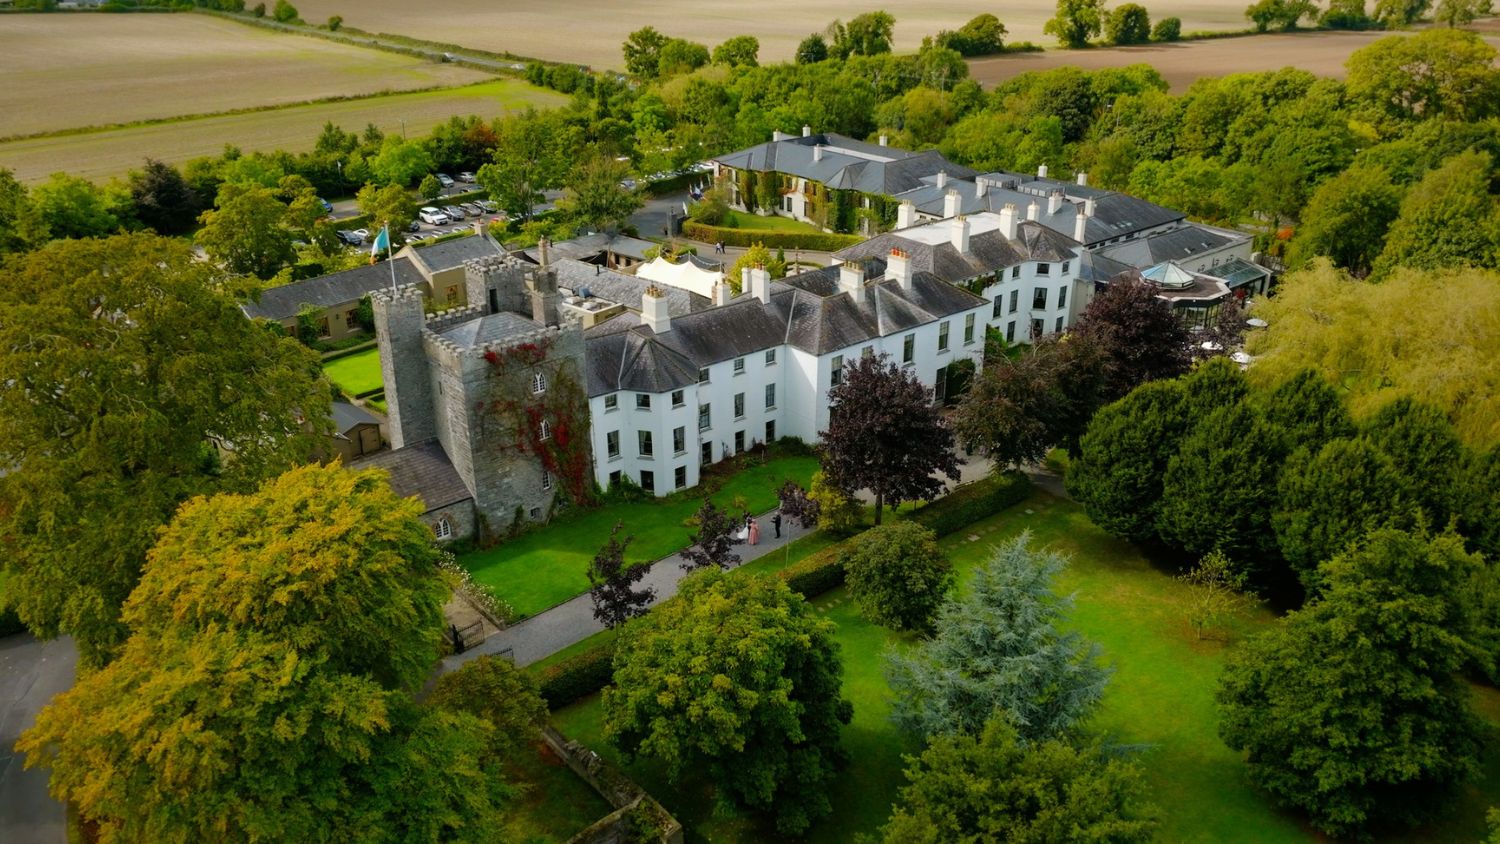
[(897, 575)]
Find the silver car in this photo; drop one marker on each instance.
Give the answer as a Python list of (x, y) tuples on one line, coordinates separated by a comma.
[(454, 211)]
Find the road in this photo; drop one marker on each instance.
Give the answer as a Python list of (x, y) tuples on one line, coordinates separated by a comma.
[(31, 672)]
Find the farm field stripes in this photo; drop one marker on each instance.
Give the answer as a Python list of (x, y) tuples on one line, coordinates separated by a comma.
[(68, 71), (111, 152)]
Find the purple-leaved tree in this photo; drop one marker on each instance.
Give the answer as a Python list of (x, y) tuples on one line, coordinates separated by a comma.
[(613, 590)]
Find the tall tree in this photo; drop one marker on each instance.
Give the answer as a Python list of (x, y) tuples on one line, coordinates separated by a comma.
[(262, 692), (532, 153), (1439, 72), (868, 34), (885, 435), (712, 546), (400, 162), (595, 196), (1449, 219), (1306, 411), (494, 689), (612, 583), (71, 206), (1129, 23), (387, 205), (97, 464), (1118, 469), (1422, 445), (643, 52), (796, 503), (1352, 710), (897, 575), (969, 789), (999, 646), (739, 51), (1019, 408), (812, 50), (1347, 218), (21, 224), (163, 199), (1076, 22), (736, 682), (1142, 338), (247, 231), (1457, 13)]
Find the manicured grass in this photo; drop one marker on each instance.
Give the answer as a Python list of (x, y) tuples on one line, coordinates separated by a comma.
[(739, 220), (1161, 696), (547, 566), (555, 804), (356, 373)]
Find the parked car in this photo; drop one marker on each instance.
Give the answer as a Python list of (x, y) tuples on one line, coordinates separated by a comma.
[(414, 226), (351, 237), (472, 209), (486, 206), (466, 176), (454, 212), (433, 216), (360, 236), (327, 206), (445, 180)]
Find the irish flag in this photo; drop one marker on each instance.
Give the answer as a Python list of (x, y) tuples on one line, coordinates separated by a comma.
[(382, 241)]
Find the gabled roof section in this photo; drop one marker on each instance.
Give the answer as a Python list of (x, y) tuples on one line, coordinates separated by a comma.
[(490, 328), (347, 417), (283, 302), (422, 470), (846, 164), (449, 254), (930, 247)]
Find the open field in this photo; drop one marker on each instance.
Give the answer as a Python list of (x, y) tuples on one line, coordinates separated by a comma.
[(1161, 696), (1322, 53), (590, 31), (70, 71), (103, 155)]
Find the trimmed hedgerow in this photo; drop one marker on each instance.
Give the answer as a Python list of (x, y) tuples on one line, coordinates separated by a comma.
[(770, 238), (972, 502), (577, 676)]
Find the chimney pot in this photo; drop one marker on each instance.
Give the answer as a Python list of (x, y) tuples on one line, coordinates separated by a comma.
[(806, 130), (898, 267), (1054, 202), (1041, 171), (906, 215), (952, 204), (1008, 221), (884, 140), (1032, 210), (959, 235), (852, 280), (1083, 179)]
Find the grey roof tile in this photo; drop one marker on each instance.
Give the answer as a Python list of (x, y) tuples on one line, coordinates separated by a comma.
[(421, 470), (283, 302)]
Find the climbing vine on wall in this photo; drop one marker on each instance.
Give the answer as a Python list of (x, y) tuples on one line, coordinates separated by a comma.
[(563, 405)]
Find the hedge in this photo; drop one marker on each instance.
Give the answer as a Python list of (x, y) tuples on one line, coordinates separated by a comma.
[(577, 676), (972, 502), (814, 241), (816, 573)]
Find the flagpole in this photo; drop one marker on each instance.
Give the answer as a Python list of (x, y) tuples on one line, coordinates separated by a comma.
[(388, 259)]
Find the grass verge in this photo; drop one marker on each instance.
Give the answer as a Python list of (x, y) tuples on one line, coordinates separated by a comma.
[(357, 373)]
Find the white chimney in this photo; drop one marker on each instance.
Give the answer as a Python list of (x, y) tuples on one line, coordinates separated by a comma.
[(1032, 210), (722, 293), (818, 152), (654, 310), (852, 280), (760, 284), (1088, 206), (981, 187), (884, 141), (898, 267), (942, 179), (1008, 221), (1080, 227), (1041, 172), (778, 135), (959, 234), (906, 215), (1083, 179), (806, 130), (479, 227), (951, 204), (1054, 202)]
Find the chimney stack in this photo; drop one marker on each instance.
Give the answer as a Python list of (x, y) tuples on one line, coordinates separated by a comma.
[(951, 204), (654, 310), (1054, 202), (760, 284), (778, 135), (806, 130), (884, 141), (1083, 179), (906, 215), (1041, 171), (818, 152), (898, 267), (1032, 210), (479, 227), (981, 187), (541, 246), (1081, 227), (942, 179), (960, 234), (1008, 221), (722, 293), (852, 281), (1088, 206)]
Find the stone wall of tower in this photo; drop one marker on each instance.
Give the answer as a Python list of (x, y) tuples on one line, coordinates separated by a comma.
[(399, 328), (497, 283)]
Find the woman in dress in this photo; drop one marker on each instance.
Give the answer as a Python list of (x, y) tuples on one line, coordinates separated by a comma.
[(754, 531)]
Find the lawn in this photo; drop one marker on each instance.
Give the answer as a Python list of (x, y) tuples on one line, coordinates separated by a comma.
[(556, 803), (547, 566), (741, 220), (356, 373), (1161, 696)]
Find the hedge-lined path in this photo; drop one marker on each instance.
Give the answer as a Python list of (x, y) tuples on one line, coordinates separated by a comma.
[(572, 621)]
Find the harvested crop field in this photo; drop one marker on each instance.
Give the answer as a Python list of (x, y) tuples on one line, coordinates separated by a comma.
[(1322, 53), (109, 153), (71, 71), (590, 31)]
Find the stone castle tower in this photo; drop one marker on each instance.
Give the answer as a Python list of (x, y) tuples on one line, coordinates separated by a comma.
[(477, 379)]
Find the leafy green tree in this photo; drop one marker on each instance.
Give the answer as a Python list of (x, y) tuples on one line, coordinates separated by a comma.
[(1076, 22), (595, 196), (1128, 24), (756, 256), (175, 373), (1167, 30), (1123, 456), (973, 789), (678, 56), (1331, 497), (812, 50), (533, 151), (885, 435), (838, 512), (643, 52), (1352, 710), (1448, 219), (1479, 520), (1215, 594), (1347, 219), (868, 34), (162, 198), (74, 207), (21, 224), (430, 188), (736, 682), (246, 231), (983, 35), (739, 51), (1394, 14), (1220, 487), (401, 162), (1422, 445), (261, 694), (999, 646), (1283, 14), (1438, 72), (711, 546), (335, 22), (897, 575), (387, 205), (496, 691), (1457, 13), (1306, 412), (285, 12)]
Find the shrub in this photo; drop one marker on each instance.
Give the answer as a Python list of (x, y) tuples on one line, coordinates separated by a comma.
[(1128, 24), (576, 677), (972, 502), (1167, 29), (284, 12), (897, 575), (837, 511), (816, 573), (814, 241)]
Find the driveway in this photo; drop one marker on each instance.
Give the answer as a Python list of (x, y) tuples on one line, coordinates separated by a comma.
[(31, 672)]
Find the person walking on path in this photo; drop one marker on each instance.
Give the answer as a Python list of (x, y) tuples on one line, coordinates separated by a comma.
[(776, 523)]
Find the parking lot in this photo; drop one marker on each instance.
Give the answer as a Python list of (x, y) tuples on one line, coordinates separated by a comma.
[(423, 230)]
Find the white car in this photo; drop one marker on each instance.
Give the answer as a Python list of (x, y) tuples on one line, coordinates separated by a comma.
[(434, 216), (466, 176), (445, 180)]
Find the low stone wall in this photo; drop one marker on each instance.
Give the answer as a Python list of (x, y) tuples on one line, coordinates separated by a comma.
[(621, 792)]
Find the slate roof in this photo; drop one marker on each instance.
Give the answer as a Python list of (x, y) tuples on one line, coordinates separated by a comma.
[(422, 470), (807, 312), (453, 253), (1176, 244), (989, 250), (588, 246), (490, 328), (1115, 214), (346, 417), (342, 288), (624, 289), (846, 163)]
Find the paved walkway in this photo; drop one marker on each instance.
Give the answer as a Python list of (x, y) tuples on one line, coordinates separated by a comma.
[(31, 672)]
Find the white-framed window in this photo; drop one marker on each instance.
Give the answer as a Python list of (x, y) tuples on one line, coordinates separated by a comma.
[(739, 366), (538, 383), (642, 401), (770, 357), (943, 336), (837, 377), (1065, 268), (968, 329), (1015, 272), (1043, 268), (543, 430), (546, 479), (643, 443), (703, 375), (739, 405), (612, 444), (611, 403), (677, 398), (679, 440), (443, 529), (770, 395), (1062, 297), (909, 348)]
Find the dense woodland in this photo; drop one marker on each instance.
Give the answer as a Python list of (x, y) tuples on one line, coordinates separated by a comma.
[(1349, 476)]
